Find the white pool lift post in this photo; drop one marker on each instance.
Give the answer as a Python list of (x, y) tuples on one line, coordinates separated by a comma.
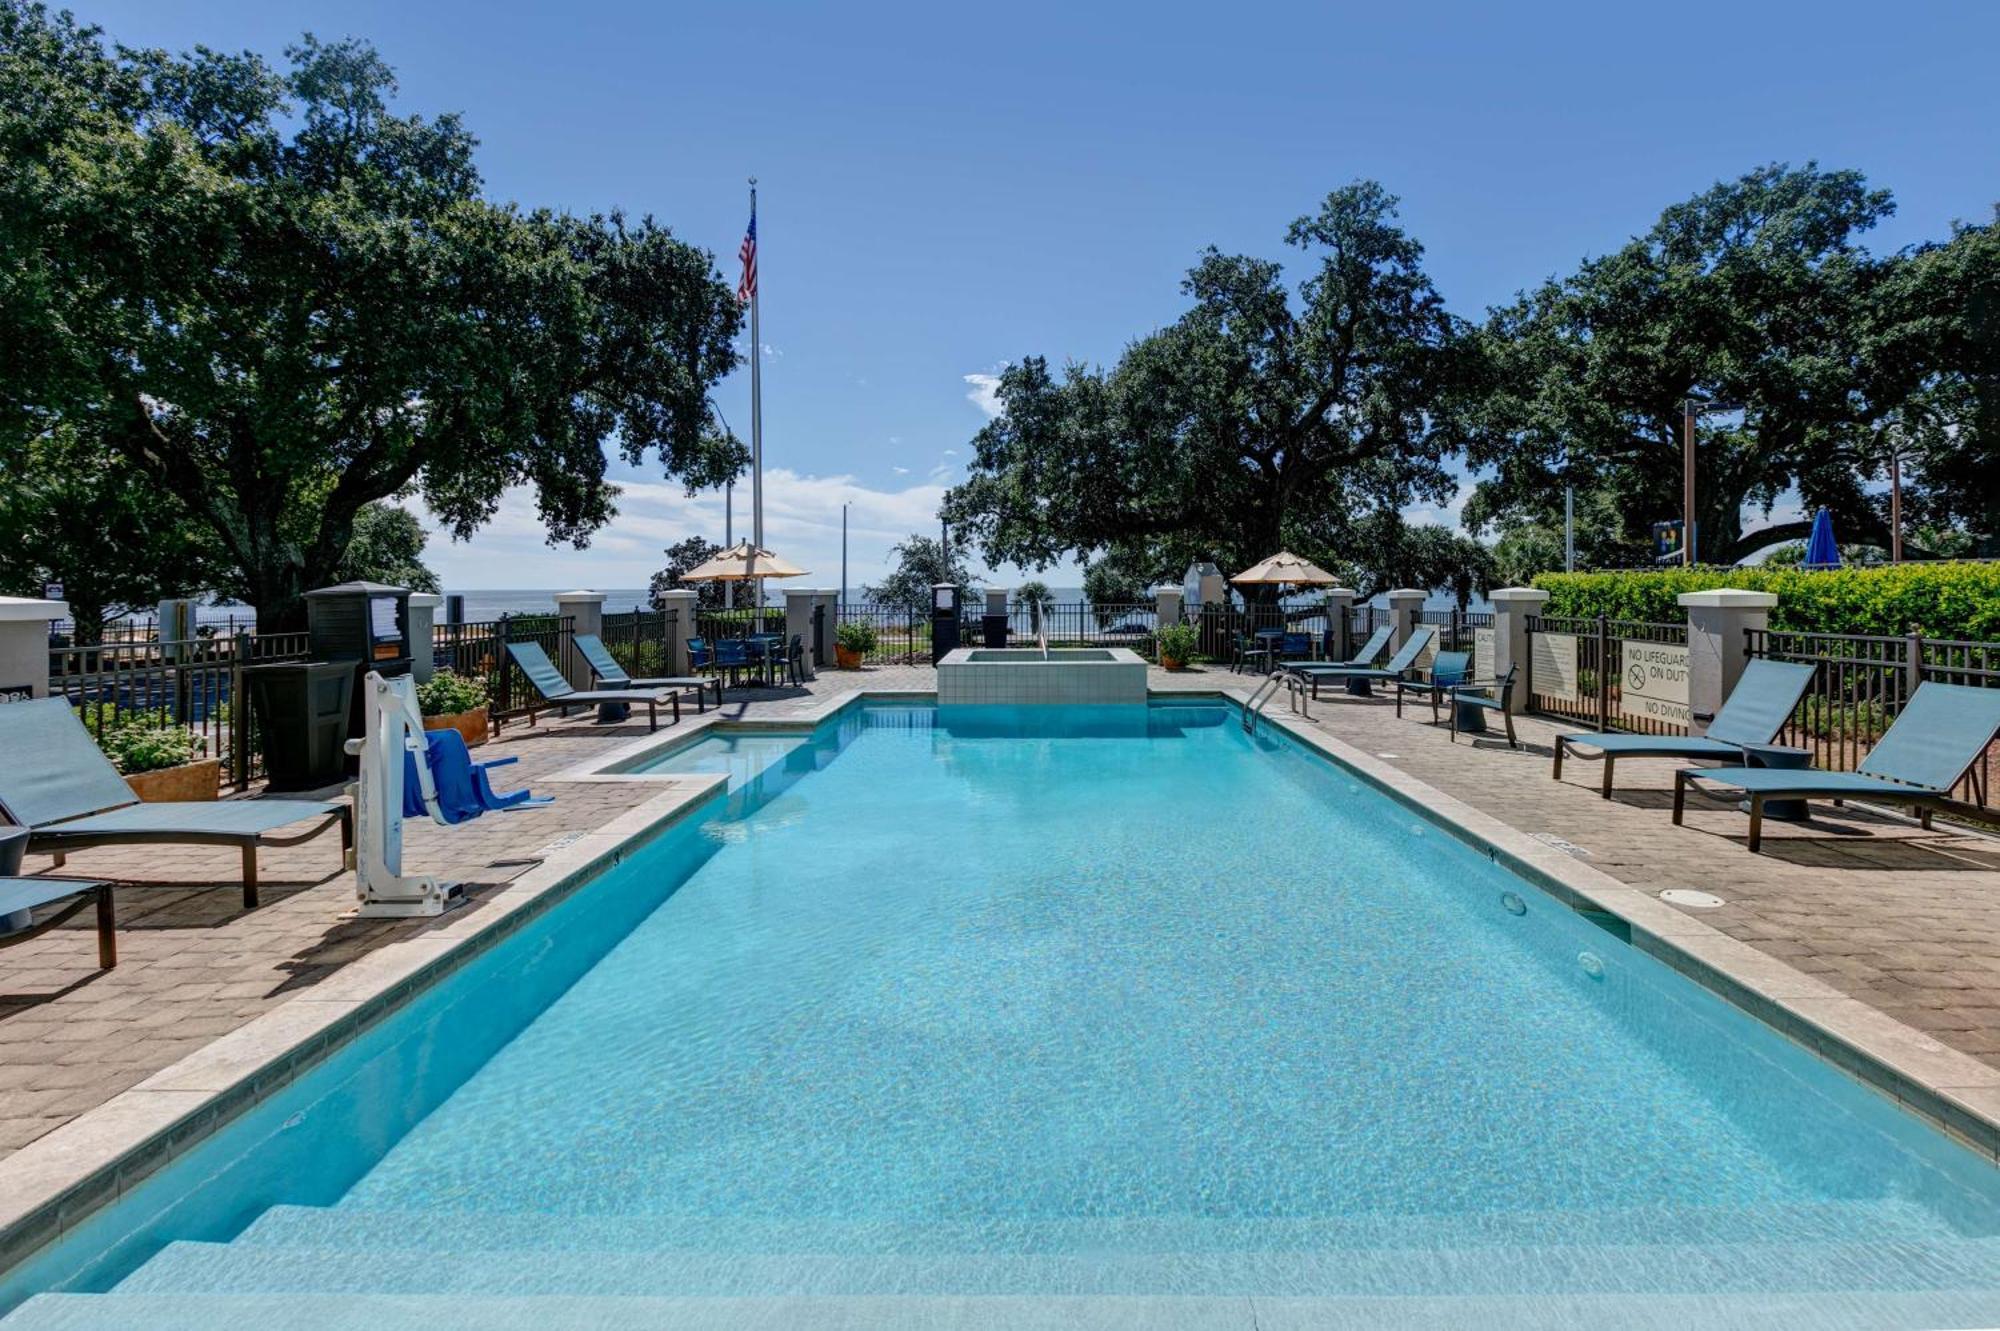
[(395, 727)]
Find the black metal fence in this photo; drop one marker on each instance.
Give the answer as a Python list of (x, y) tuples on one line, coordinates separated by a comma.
[(644, 642), (195, 684), (901, 633), (1581, 669), (1860, 684), (479, 651)]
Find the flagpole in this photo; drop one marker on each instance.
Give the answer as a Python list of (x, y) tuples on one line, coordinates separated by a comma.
[(756, 407)]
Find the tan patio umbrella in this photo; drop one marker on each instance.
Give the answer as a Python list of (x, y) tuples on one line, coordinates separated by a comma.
[(742, 562), (1287, 567)]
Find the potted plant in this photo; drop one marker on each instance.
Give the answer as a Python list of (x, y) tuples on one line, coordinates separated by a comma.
[(851, 642), (160, 760), (1177, 644), (451, 701)]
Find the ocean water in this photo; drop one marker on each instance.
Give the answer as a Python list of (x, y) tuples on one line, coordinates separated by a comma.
[(1062, 1001)]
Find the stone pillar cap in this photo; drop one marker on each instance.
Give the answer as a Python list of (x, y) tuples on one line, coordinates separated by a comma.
[(1729, 598), (1348, 592), (1165, 589), (418, 600), (1518, 596), (582, 595), (678, 593), (14, 609), (1405, 593)]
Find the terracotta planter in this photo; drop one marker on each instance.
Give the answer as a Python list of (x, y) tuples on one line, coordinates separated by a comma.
[(1172, 664), (200, 780), (846, 657), (472, 725)]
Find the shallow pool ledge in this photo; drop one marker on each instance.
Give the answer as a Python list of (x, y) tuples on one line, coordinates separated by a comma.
[(1027, 676)]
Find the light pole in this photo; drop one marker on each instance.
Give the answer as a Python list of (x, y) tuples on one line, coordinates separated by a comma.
[(1691, 410), (841, 608)]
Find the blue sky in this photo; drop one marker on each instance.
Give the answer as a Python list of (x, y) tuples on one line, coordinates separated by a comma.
[(946, 188)]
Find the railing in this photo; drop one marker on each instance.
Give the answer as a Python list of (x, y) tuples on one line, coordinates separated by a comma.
[(479, 651), (902, 632), (1130, 624), (1860, 684), (1577, 668), (1455, 627), (196, 684), (1224, 627), (739, 623), (644, 642)]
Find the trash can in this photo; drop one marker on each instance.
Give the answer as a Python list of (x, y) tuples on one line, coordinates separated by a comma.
[(301, 709)]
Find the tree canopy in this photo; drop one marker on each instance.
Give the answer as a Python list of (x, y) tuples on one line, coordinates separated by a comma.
[(1262, 418), (683, 555), (275, 300), (921, 563)]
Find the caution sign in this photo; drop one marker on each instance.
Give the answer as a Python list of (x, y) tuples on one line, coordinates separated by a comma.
[(1482, 653), (1654, 681)]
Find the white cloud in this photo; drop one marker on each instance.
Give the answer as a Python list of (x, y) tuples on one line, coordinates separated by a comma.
[(900, 471), (1448, 515), (984, 393)]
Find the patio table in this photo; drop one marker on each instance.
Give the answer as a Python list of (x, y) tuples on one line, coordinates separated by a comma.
[(1780, 756)]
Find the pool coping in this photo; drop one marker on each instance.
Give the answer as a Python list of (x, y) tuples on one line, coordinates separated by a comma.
[(54, 1183)]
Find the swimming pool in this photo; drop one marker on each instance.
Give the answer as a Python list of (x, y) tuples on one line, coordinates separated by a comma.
[(1053, 1002)]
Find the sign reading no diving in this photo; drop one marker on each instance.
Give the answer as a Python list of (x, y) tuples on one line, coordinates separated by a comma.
[(1654, 682)]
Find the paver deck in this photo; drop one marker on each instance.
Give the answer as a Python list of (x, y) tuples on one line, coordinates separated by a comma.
[(1904, 920)]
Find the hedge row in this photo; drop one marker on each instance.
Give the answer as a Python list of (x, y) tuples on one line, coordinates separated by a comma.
[(1937, 600)]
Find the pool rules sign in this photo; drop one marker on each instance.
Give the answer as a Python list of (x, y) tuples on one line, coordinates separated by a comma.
[(1654, 681)]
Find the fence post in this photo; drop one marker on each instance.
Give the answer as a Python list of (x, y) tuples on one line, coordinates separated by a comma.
[(1913, 664), (679, 602), (1719, 625), (24, 645), (239, 713), (503, 663), (1603, 672), (1513, 607), (1340, 623), (423, 634), (584, 613)]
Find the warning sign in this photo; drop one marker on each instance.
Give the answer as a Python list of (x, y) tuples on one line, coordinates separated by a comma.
[(1654, 682), (1554, 657)]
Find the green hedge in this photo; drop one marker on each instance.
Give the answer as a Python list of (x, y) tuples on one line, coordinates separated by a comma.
[(1936, 600)]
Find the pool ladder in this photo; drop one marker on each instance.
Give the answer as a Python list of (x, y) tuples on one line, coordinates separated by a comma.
[(1295, 698)]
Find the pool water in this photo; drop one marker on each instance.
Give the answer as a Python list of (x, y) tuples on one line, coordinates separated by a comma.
[(1057, 1002), (743, 756)]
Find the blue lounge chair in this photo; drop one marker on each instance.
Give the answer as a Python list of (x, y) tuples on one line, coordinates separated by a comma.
[(1448, 670), (612, 675), (22, 895), (1399, 667), (59, 785), (1941, 733), (560, 694), (1365, 659), (463, 789), (1758, 707)]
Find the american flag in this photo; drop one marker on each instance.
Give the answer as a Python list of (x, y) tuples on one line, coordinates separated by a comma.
[(748, 286)]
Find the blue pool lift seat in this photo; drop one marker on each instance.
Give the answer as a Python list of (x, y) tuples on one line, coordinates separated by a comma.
[(464, 791), (1757, 708)]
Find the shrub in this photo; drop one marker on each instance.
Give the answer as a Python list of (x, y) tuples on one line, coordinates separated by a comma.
[(142, 741), (856, 636), (448, 694), (1942, 600), (1177, 642)]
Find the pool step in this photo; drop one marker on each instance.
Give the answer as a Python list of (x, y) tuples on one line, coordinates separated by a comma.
[(343, 1227), (198, 1268), (379, 1312)]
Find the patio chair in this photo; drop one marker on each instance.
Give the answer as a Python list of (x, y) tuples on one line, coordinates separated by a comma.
[(1295, 647), (1399, 667), (1365, 659), (1250, 653), (59, 785), (1942, 731), (19, 896), (1757, 708), (612, 675), (559, 693), (732, 657), (1448, 670), (1493, 695)]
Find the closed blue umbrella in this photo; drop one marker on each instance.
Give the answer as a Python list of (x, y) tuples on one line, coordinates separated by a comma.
[(1821, 551)]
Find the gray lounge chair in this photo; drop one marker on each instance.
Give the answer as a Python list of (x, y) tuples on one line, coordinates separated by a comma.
[(1757, 709), (612, 675), (59, 785), (24, 894), (560, 694), (1941, 733), (1399, 667)]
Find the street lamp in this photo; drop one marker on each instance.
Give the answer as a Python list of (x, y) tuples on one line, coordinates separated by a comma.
[(841, 609), (1691, 410)]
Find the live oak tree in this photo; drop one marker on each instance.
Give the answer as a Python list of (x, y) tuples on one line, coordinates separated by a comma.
[(921, 563), (682, 556), (277, 301), (388, 546), (1261, 419), (1758, 293)]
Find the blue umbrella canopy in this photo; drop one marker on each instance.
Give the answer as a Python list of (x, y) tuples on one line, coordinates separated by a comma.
[(1821, 551)]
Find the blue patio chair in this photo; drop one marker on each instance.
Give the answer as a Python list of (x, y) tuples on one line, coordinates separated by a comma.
[(59, 785), (732, 657), (1252, 653), (1399, 667), (1493, 695), (1941, 733), (1295, 647), (1757, 708), (559, 693), (612, 675), (1448, 670)]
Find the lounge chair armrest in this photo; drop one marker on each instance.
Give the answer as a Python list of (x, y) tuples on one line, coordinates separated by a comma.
[(500, 762)]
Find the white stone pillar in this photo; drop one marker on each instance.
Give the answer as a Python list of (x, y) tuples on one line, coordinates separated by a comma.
[(996, 601), (1406, 607), (174, 621), (585, 611), (680, 603), (1167, 604), (24, 645), (1718, 625), (1339, 614), (799, 602), (423, 641), (1513, 607)]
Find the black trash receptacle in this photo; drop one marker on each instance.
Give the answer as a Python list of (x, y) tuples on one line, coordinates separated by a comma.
[(302, 714)]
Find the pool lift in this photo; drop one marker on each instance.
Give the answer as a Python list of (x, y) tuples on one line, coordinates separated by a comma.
[(395, 728)]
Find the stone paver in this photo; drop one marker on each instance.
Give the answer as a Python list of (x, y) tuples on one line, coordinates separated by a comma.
[(1906, 921)]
